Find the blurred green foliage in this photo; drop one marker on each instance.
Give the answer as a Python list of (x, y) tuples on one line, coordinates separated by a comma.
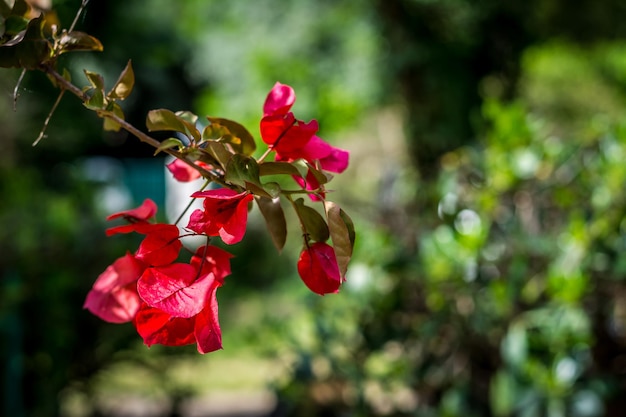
[(488, 276)]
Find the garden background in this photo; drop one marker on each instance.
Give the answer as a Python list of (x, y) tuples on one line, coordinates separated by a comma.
[(488, 149)]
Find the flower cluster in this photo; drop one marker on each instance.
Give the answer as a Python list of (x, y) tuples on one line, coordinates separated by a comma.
[(171, 302)]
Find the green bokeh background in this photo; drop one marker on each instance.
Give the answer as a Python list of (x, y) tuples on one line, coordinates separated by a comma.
[(488, 165)]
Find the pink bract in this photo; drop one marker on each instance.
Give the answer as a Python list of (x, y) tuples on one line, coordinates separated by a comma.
[(279, 100), (113, 296)]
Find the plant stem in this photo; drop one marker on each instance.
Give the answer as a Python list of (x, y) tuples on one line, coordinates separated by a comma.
[(66, 85)]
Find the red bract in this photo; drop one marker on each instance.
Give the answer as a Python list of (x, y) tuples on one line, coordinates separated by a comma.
[(225, 214), (212, 259), (183, 172), (161, 244), (318, 268), (113, 296), (138, 218), (160, 327)]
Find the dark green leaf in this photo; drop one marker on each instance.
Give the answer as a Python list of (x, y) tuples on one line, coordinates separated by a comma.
[(28, 49), (278, 168), (20, 8), (14, 25), (163, 119), (78, 41), (349, 225), (321, 176), (241, 169), (272, 211), (340, 235), (124, 84), (313, 222), (241, 139), (219, 152)]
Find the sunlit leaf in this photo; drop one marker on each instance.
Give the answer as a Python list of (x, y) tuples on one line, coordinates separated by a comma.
[(163, 119), (274, 216), (187, 116), (313, 222), (169, 144), (340, 236), (124, 84), (96, 80), (96, 101), (112, 125), (78, 41), (246, 144)]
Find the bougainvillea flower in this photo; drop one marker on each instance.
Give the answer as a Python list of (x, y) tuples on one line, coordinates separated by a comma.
[(161, 244), (318, 268), (113, 296), (225, 214), (184, 172), (279, 100), (156, 326)]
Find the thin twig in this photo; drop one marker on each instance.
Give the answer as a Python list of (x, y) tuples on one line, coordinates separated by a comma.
[(206, 184), (47, 122), (78, 13), (17, 88)]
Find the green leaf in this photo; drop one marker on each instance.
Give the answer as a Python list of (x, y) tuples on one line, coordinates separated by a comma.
[(188, 116), (278, 168), (274, 216), (78, 41), (112, 125), (96, 101), (5, 10), (169, 144), (321, 176), (312, 222), (241, 169), (349, 225), (20, 8), (14, 24), (163, 119), (96, 80), (219, 152), (124, 84), (28, 49), (241, 139), (302, 167), (340, 235)]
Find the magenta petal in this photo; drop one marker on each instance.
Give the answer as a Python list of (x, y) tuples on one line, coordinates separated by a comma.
[(279, 100), (174, 289), (316, 148), (337, 161)]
